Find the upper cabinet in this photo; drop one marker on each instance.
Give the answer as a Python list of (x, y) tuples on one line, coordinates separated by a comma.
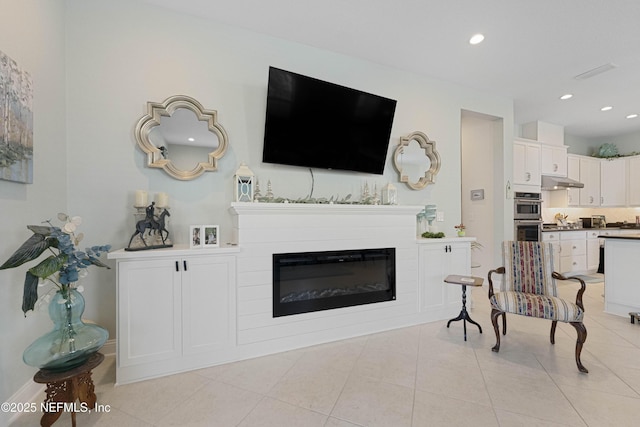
[(573, 172), (553, 160), (526, 165), (590, 177), (633, 181), (613, 182)]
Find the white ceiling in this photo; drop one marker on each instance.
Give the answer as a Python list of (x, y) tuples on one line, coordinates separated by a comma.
[(532, 51)]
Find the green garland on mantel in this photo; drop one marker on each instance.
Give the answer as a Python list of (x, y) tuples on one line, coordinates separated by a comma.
[(610, 151)]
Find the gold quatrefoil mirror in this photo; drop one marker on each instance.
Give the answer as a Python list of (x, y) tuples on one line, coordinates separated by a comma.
[(417, 160), (181, 137)]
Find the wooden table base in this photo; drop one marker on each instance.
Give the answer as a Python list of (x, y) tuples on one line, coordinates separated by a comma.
[(65, 389)]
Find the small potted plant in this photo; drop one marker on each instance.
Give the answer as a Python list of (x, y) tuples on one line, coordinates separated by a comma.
[(460, 227)]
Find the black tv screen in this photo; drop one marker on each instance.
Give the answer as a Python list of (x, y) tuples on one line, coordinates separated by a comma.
[(317, 124)]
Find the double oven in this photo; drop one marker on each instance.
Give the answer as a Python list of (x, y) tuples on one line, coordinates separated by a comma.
[(527, 216)]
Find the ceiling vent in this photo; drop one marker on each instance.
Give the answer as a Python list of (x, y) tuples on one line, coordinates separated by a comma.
[(598, 70)]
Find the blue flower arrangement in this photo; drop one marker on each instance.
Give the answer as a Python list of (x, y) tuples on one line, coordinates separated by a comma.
[(65, 265)]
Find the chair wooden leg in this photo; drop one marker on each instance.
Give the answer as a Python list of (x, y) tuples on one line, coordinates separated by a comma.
[(553, 331), (504, 323), (494, 319), (582, 337)]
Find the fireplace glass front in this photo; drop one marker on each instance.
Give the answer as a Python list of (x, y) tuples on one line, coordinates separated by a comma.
[(314, 281)]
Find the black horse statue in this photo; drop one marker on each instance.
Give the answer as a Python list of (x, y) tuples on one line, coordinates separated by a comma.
[(154, 225)]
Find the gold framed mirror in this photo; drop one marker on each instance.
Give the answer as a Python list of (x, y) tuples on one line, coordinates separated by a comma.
[(417, 160), (180, 136)]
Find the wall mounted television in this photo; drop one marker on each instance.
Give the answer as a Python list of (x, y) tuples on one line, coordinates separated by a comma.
[(317, 124)]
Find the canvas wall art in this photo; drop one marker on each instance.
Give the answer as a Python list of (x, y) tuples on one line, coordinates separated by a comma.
[(16, 122)]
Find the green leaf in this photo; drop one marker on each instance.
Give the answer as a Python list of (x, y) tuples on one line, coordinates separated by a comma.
[(30, 293), (30, 250), (48, 266)]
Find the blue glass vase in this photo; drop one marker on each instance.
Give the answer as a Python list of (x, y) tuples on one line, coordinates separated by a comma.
[(71, 341)]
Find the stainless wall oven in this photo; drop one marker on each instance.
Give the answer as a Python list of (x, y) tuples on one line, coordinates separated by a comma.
[(527, 216), (527, 206)]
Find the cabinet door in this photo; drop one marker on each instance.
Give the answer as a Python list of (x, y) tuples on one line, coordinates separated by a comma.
[(553, 160), (573, 172), (149, 312), (633, 181), (613, 182), (526, 163), (590, 177), (437, 261), (207, 303)]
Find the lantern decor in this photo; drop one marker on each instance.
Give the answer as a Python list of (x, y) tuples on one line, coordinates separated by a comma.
[(389, 195), (244, 184)]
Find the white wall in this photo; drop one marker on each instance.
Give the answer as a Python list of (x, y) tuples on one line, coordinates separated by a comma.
[(121, 54), (31, 33)]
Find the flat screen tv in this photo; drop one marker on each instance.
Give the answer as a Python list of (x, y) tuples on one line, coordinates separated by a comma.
[(317, 124)]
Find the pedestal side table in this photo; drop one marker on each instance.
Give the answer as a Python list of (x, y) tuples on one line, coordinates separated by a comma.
[(464, 281)]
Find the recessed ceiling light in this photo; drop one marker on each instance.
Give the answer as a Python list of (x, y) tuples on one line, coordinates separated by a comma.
[(566, 96), (632, 116), (190, 139), (607, 108), (476, 38)]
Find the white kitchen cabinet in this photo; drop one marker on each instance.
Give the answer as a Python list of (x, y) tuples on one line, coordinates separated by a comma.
[(573, 252), (553, 237), (613, 182), (175, 311), (573, 172), (526, 165), (437, 261), (633, 181), (590, 177), (553, 160)]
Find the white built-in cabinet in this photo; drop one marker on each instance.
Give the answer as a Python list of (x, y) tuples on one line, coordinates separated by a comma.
[(633, 181), (613, 182), (438, 259), (554, 239), (176, 311), (573, 172), (590, 177), (553, 160), (526, 163)]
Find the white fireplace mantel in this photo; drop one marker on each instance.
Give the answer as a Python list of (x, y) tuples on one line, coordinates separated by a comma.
[(245, 208)]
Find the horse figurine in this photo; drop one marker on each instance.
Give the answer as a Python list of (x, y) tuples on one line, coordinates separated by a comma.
[(154, 225)]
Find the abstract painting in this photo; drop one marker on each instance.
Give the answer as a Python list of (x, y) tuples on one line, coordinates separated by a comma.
[(16, 122)]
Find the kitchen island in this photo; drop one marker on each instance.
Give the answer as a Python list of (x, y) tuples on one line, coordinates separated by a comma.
[(622, 274)]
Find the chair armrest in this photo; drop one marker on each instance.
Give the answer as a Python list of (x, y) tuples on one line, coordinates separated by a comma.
[(583, 287), (500, 270)]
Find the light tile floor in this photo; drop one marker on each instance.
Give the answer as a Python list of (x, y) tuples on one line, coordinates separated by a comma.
[(425, 375)]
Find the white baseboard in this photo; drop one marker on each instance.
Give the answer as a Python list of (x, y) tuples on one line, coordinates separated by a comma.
[(30, 391)]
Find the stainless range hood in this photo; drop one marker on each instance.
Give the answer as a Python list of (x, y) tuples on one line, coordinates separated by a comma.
[(559, 183)]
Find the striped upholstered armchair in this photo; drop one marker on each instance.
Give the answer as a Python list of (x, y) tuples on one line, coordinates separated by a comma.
[(528, 288)]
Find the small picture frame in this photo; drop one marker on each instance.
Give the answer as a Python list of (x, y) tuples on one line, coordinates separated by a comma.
[(210, 236), (195, 236)]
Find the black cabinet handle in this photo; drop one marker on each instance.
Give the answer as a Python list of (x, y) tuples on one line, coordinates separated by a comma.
[(177, 266), (184, 263)]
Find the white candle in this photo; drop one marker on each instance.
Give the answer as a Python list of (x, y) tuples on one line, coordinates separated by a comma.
[(141, 198), (162, 200)]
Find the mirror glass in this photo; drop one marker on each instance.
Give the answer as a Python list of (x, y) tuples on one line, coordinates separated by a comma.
[(181, 137), (417, 160)]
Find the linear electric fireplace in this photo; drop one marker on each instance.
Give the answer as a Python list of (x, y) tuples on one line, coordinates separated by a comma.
[(314, 281)]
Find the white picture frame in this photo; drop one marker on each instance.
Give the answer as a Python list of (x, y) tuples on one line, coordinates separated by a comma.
[(210, 236), (195, 236)]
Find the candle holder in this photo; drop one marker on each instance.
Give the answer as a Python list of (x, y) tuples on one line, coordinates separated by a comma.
[(151, 228)]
